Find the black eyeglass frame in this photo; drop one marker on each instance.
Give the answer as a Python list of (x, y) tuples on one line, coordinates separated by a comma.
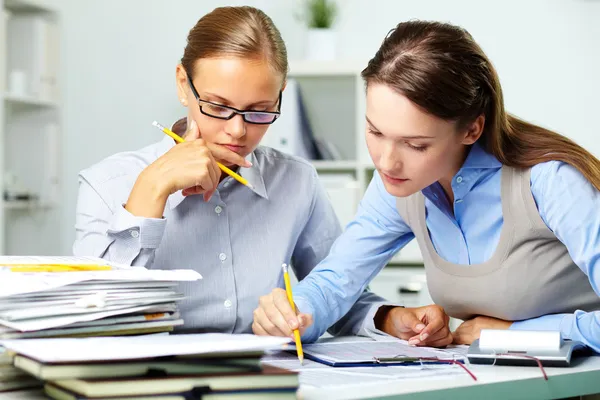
[(243, 113)]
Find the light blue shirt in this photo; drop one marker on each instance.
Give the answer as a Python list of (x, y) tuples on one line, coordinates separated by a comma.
[(567, 203), (237, 240)]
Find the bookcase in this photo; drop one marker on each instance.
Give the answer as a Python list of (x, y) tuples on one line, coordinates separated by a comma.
[(29, 128), (333, 93)]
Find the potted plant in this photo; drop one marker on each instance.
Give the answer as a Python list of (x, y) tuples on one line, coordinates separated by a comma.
[(319, 16)]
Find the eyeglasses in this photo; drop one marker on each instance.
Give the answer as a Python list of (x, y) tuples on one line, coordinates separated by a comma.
[(225, 112)]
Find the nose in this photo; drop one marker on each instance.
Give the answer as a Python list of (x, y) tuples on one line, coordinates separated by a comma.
[(236, 126), (389, 159)]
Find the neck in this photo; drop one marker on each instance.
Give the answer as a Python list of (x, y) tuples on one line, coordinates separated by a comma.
[(446, 181)]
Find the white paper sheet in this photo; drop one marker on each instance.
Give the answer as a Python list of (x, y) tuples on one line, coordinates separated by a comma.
[(52, 322), (12, 283), (320, 375), (368, 351), (51, 260), (125, 348)]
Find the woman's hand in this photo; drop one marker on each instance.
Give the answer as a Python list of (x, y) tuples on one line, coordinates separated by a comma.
[(421, 326), (190, 166), (275, 317), (470, 330)]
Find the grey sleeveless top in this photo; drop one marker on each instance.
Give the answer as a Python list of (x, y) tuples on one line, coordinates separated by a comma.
[(530, 274)]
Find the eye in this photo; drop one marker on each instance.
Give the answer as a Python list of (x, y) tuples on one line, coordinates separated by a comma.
[(215, 109), (374, 132), (417, 148)]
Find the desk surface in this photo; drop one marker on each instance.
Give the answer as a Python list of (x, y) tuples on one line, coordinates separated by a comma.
[(493, 382)]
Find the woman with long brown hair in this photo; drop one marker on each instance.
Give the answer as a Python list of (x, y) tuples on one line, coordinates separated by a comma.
[(169, 206), (506, 213)]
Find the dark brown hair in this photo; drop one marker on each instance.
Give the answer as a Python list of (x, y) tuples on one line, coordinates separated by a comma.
[(441, 68), (244, 32)]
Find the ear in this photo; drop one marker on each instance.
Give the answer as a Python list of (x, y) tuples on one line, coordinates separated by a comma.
[(474, 130), (182, 85), (284, 85)]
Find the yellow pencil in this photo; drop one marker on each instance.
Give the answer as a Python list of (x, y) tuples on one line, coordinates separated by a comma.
[(58, 268), (179, 139), (288, 290)]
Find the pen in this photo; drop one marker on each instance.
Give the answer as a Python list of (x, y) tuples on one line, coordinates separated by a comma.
[(228, 171), (288, 290)]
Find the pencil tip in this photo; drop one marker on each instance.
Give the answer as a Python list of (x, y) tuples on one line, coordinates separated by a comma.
[(250, 186)]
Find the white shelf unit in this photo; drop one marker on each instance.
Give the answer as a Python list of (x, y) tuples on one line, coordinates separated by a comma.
[(29, 128), (334, 96)]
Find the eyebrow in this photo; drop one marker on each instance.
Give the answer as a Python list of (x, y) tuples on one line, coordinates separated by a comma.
[(226, 102), (403, 137)]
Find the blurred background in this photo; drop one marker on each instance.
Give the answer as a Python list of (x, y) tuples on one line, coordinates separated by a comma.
[(83, 79)]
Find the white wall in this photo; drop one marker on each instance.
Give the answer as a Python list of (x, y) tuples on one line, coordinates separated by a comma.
[(119, 60)]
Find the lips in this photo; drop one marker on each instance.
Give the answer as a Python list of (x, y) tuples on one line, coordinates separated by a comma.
[(234, 148), (393, 179)]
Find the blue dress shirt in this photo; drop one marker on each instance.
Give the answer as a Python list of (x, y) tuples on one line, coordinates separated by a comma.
[(237, 240), (467, 232)]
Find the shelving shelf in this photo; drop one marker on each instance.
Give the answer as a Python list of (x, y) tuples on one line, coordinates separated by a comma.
[(335, 102), (30, 131), (25, 205), (28, 101)]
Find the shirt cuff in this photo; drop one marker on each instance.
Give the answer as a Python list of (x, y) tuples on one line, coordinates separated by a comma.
[(368, 327), (147, 232), (553, 322), (311, 333)]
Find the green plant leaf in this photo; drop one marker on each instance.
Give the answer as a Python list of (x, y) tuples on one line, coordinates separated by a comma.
[(320, 13)]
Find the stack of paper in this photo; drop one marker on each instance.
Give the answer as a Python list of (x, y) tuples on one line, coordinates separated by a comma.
[(43, 297), (93, 298), (170, 366)]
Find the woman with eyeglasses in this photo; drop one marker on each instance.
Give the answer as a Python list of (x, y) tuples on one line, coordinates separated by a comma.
[(506, 213), (169, 206)]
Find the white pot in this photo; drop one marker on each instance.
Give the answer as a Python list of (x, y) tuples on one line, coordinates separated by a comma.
[(320, 44)]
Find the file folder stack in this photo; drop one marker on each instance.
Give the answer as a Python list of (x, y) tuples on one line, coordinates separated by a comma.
[(206, 366), (45, 297)]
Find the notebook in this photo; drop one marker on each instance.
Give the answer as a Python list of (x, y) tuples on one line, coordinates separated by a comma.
[(58, 393), (269, 378), (167, 366)]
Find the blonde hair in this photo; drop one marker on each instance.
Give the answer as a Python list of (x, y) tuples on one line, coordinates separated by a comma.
[(244, 32)]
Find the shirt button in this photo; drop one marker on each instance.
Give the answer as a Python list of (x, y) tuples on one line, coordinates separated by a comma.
[(218, 209), (134, 234), (459, 179), (227, 303), (459, 201), (222, 256)]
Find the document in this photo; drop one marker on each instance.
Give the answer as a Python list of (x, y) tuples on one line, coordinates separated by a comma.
[(62, 320), (15, 283), (317, 374), (128, 348), (370, 352)]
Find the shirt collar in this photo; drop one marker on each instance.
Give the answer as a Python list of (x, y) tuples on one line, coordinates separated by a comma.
[(253, 174), (478, 158)]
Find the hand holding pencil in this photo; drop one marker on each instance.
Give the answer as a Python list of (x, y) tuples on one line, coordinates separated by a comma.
[(277, 315), (191, 166), (194, 134)]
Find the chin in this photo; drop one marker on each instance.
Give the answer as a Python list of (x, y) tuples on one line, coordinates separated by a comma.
[(403, 190)]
